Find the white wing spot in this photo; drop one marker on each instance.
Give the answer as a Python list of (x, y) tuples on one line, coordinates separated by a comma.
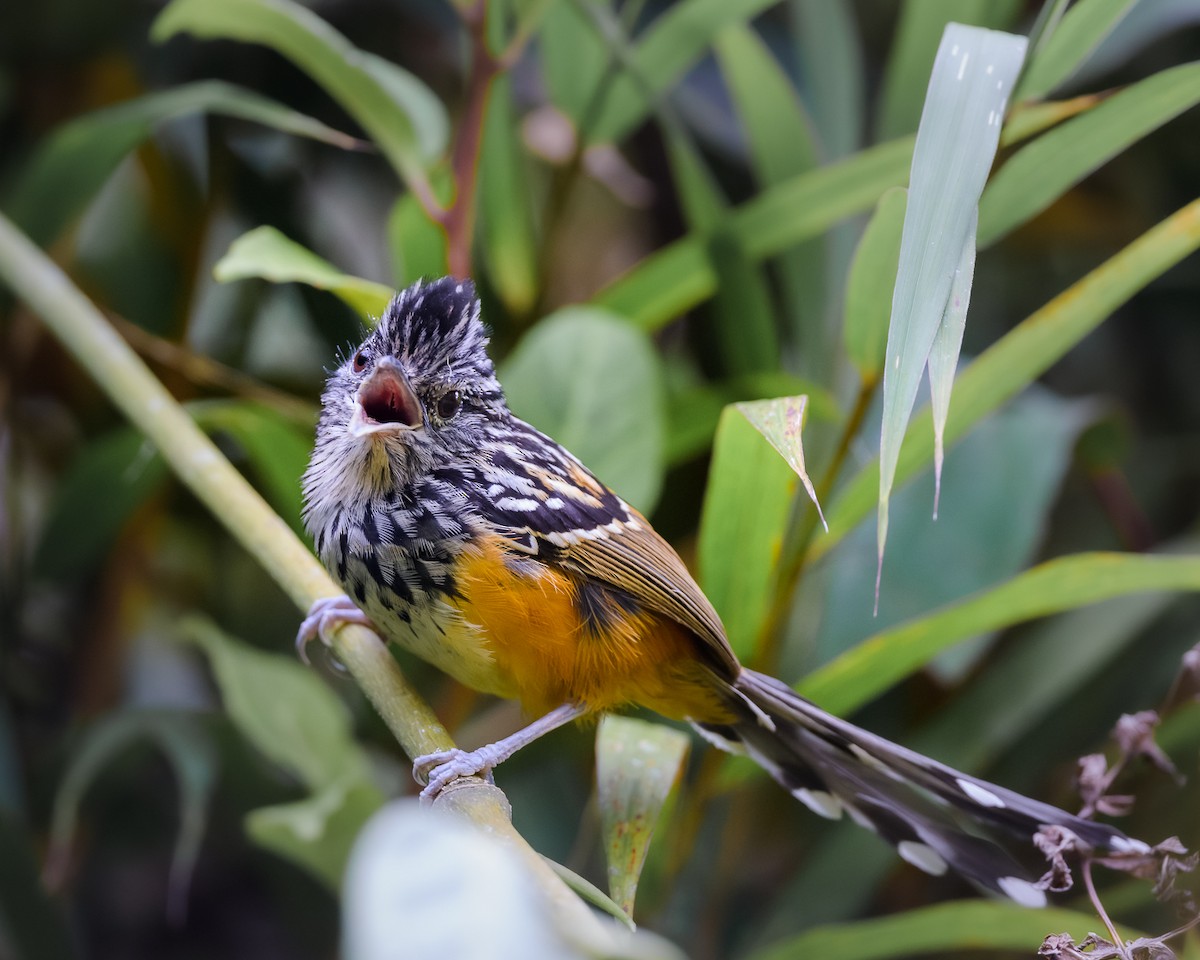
[(523, 504), (554, 503), (819, 802), (1022, 892), (922, 856), (981, 795)]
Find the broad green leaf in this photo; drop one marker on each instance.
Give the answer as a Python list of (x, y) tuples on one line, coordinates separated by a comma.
[(267, 253), (190, 753), (283, 708), (637, 764), (69, 168), (679, 276), (780, 420), (746, 506), (947, 928), (869, 286), (971, 81), (920, 30), (1040, 172), (1052, 587), (1085, 24), (594, 384), (506, 205), (1023, 354), (276, 448), (318, 832), (431, 125), (384, 108), (418, 245), (106, 482), (575, 60), (831, 68)]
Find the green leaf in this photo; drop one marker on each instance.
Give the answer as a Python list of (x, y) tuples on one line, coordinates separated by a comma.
[(920, 30), (574, 59), (679, 276), (71, 166), (945, 928), (265, 252), (277, 449), (386, 109), (318, 832), (1052, 587), (283, 708), (590, 893), (506, 206), (1081, 30), (869, 286), (971, 81), (746, 506), (1042, 171), (594, 384), (780, 421), (832, 72), (418, 245), (637, 764), (186, 746), (1023, 354)]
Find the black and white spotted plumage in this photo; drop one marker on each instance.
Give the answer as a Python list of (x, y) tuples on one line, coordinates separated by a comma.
[(419, 467)]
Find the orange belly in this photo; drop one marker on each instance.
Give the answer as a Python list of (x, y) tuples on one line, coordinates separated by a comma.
[(556, 640)]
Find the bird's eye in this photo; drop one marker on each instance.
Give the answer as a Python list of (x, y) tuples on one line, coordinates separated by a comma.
[(361, 360), (448, 404)]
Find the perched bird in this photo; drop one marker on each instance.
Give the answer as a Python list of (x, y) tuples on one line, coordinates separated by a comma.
[(481, 545)]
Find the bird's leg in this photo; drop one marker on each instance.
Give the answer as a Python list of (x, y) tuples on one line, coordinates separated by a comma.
[(435, 770), (324, 615)]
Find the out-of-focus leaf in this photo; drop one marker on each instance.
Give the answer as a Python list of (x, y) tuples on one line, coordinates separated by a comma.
[(69, 168), (190, 752), (637, 764), (922, 24), (1043, 170), (590, 893), (831, 65), (319, 831), (33, 925), (945, 928), (506, 207), (267, 253), (282, 708), (574, 59), (869, 286), (677, 277), (106, 482), (430, 124), (398, 124), (780, 420), (1023, 354), (594, 384), (1052, 587), (1029, 119), (1083, 27), (418, 244), (971, 81), (746, 504), (276, 448)]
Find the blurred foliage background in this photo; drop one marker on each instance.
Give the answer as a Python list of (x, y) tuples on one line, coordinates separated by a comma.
[(134, 771)]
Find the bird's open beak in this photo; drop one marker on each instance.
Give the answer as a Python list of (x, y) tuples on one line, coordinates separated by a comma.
[(385, 402)]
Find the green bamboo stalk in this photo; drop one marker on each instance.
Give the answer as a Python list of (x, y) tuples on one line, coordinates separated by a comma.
[(100, 350)]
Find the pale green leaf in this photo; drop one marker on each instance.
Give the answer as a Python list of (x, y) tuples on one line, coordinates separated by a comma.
[(1081, 30), (870, 283), (265, 252), (590, 893), (832, 72), (637, 764), (780, 420)]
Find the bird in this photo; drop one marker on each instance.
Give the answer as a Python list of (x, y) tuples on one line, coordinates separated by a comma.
[(479, 544)]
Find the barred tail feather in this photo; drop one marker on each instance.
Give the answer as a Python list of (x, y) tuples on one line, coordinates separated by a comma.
[(923, 808)]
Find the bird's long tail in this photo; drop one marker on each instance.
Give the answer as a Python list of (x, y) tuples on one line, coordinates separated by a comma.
[(933, 815)]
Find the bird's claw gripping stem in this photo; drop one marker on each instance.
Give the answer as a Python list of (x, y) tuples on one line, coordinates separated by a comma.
[(324, 616), (436, 770)]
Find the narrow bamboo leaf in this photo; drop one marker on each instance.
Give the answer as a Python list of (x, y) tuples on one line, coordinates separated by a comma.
[(780, 421), (831, 69), (70, 166), (1026, 120), (1081, 30), (870, 283), (1039, 173), (595, 385), (265, 252), (679, 276), (943, 356), (637, 764), (746, 505), (318, 832), (590, 893), (956, 143), (1052, 587), (921, 27), (282, 708), (1023, 354), (506, 207), (190, 752), (384, 109), (945, 928)]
